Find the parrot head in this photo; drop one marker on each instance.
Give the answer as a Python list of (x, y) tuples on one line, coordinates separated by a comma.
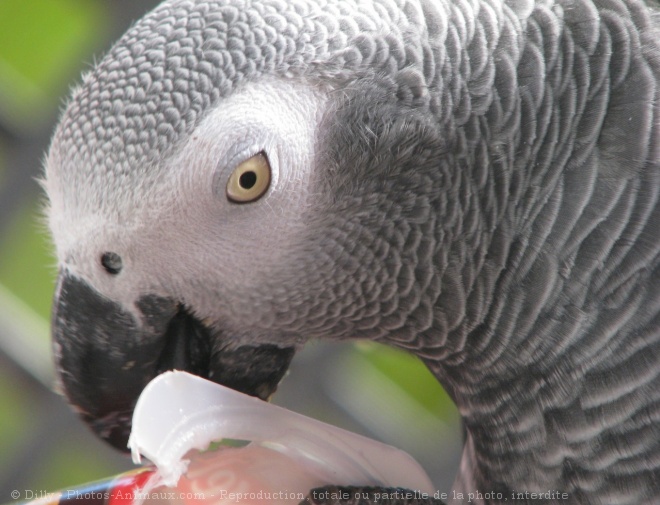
[(216, 200), (474, 182)]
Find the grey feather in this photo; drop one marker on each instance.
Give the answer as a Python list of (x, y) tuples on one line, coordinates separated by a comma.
[(485, 195)]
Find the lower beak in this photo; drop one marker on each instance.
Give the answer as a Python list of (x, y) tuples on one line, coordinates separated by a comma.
[(105, 355)]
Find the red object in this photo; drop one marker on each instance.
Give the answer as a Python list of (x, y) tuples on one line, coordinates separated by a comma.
[(120, 490), (127, 485)]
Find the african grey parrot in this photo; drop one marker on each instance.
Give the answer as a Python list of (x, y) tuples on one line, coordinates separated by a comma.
[(475, 181)]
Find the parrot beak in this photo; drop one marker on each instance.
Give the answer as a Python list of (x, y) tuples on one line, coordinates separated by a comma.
[(105, 355)]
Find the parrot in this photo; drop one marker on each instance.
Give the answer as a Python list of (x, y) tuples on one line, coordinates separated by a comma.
[(475, 182)]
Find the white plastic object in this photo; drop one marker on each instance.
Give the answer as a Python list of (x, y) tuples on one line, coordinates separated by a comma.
[(178, 412)]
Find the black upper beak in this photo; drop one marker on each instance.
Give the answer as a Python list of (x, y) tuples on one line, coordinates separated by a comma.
[(106, 355)]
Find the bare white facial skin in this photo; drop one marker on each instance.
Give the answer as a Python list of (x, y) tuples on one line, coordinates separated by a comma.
[(187, 206)]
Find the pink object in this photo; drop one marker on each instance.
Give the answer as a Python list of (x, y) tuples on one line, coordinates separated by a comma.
[(283, 455)]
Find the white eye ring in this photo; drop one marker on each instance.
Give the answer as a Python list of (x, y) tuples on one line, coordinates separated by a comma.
[(249, 180)]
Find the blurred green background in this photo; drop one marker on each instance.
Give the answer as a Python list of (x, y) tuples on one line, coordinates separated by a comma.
[(44, 45)]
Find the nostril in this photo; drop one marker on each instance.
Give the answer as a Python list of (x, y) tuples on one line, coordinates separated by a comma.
[(111, 262)]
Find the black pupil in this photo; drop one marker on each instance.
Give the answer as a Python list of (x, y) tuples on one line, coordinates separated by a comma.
[(111, 262), (247, 180)]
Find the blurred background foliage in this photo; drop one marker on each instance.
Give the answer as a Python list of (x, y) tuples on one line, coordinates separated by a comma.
[(44, 45)]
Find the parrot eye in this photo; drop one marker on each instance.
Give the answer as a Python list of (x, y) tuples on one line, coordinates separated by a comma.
[(249, 180), (111, 262)]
